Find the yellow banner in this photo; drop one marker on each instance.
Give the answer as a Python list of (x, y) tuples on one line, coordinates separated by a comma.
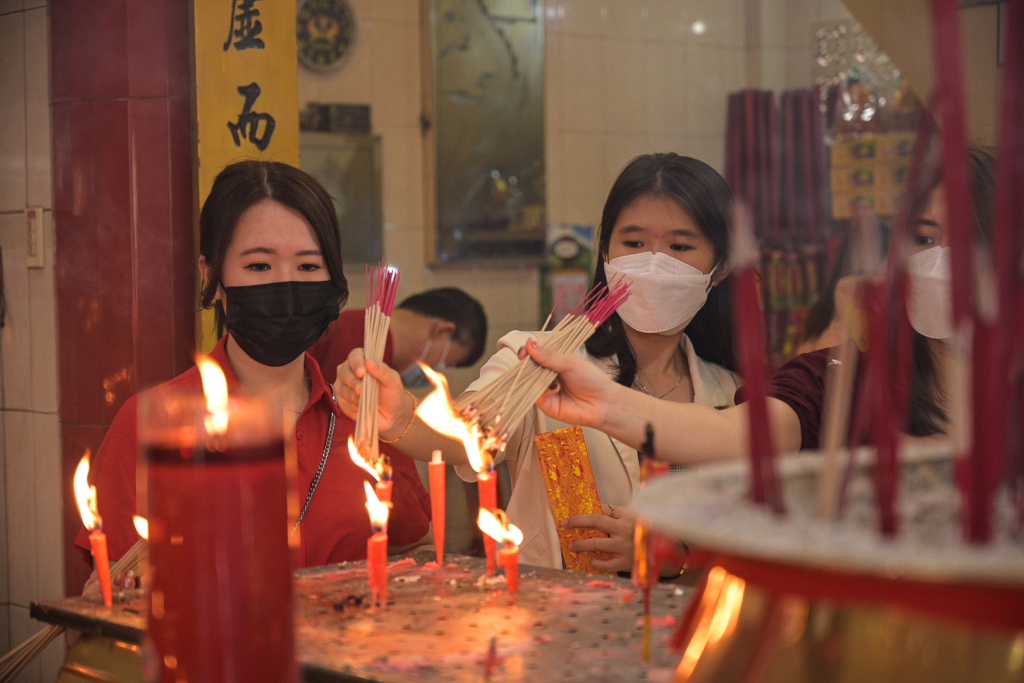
[(247, 94)]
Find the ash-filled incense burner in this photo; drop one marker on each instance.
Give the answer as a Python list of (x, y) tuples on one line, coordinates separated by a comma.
[(793, 598)]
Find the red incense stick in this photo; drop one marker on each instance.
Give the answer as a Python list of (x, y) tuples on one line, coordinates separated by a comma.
[(751, 344), (993, 350)]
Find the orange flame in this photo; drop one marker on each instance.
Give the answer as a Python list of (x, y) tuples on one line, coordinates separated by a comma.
[(215, 387), (141, 526), (719, 612), (85, 495), (728, 612), (358, 459), (378, 510), (495, 524), (437, 412)]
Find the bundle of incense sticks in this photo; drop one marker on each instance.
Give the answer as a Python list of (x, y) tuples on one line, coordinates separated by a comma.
[(508, 399), (15, 661), (381, 288)]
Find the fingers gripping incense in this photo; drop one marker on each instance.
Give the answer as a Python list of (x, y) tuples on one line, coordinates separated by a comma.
[(381, 288), (504, 403)]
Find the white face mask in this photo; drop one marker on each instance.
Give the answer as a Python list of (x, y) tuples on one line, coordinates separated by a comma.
[(665, 293), (929, 306)]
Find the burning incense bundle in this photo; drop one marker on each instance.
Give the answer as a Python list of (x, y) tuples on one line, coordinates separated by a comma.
[(15, 661), (381, 288), (508, 399)]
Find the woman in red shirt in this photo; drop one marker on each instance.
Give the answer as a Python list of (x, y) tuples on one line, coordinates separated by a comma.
[(270, 257)]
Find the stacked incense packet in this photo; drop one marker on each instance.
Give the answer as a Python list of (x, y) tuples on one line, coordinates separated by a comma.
[(15, 661), (381, 288), (508, 399)]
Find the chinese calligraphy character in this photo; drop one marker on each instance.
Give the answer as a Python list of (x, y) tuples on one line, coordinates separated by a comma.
[(248, 26), (249, 121)]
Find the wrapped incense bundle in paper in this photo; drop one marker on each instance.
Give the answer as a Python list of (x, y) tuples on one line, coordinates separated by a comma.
[(381, 288), (571, 489), (507, 400)]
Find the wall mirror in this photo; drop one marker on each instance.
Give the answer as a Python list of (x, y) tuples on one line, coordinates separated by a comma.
[(486, 112)]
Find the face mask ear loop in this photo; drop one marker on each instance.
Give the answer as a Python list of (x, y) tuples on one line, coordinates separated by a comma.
[(711, 279), (426, 350), (444, 354)]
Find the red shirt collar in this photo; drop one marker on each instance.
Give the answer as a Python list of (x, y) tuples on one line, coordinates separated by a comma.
[(319, 389)]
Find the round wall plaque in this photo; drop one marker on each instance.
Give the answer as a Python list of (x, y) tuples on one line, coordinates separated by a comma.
[(325, 31)]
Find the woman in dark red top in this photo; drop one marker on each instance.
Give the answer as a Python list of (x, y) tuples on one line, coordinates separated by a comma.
[(270, 259)]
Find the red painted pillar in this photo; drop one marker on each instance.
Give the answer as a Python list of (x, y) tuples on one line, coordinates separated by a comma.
[(123, 212)]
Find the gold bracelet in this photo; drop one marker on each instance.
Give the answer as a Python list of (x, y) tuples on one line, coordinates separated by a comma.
[(411, 420)]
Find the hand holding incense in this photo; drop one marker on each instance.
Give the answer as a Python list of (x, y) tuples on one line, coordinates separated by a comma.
[(503, 403), (86, 497), (437, 500), (381, 289)]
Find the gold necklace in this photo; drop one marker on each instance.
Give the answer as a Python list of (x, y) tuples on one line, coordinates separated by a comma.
[(637, 382)]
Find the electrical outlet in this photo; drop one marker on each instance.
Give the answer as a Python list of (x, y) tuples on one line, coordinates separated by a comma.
[(36, 248)]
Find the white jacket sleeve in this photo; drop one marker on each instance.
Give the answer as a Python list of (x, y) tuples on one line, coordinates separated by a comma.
[(506, 357)]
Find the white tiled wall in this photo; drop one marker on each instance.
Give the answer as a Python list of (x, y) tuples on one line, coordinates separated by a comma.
[(626, 78), (781, 46), (31, 564)]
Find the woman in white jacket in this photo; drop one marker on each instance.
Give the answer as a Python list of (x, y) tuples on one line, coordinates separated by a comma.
[(664, 231)]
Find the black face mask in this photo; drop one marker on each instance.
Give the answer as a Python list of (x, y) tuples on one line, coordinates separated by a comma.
[(275, 323)]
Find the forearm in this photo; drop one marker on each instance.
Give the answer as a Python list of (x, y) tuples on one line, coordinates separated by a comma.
[(684, 434), (690, 434), (412, 436)]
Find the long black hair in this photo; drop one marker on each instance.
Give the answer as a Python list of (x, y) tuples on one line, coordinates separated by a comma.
[(246, 183), (703, 194), (925, 416)]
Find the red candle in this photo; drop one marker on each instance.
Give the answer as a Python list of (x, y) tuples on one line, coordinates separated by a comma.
[(437, 492), (217, 504), (486, 485), (98, 542), (496, 527), (508, 557), (377, 566), (377, 549), (85, 495)]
